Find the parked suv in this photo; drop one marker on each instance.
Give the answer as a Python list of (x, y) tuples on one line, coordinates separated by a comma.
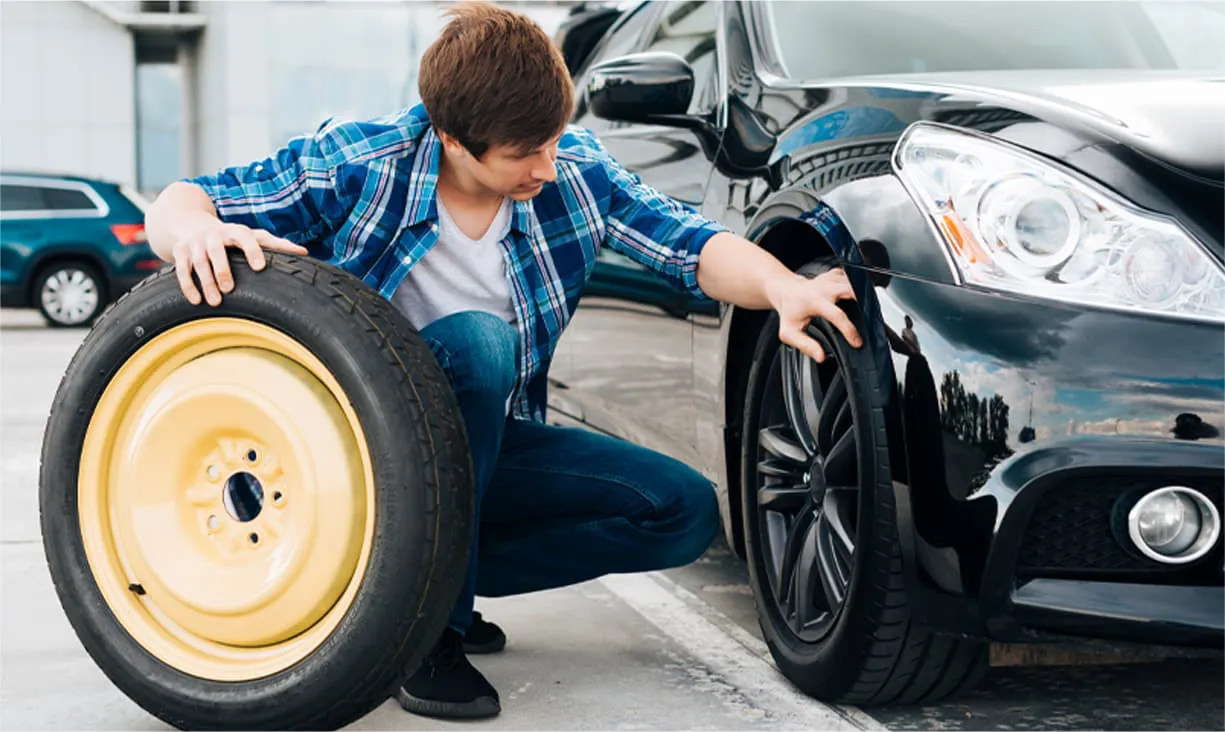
[(70, 245)]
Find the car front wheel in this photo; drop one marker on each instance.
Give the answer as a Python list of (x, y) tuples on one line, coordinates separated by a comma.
[(821, 536)]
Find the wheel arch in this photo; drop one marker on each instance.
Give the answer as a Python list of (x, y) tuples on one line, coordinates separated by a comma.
[(42, 261)]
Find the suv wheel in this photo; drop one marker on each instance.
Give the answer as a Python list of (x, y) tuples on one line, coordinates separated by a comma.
[(69, 294)]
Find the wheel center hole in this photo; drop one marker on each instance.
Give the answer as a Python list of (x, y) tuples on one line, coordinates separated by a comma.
[(243, 496)]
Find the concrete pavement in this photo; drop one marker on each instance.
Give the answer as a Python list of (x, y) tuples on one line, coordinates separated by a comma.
[(677, 650), (632, 652)]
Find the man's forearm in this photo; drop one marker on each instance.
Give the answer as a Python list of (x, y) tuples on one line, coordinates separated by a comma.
[(180, 210), (734, 270)]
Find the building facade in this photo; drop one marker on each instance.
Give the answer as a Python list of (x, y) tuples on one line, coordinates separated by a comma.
[(145, 93)]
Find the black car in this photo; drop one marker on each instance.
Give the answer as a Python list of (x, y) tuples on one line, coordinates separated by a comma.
[(1027, 198)]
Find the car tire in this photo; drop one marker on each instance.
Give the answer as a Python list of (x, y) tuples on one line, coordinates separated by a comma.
[(862, 648), (88, 293), (296, 596)]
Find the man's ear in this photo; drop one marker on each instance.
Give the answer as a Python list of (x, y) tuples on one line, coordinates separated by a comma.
[(450, 143)]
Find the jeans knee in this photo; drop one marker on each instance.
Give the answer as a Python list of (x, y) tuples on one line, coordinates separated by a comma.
[(478, 350), (693, 516)]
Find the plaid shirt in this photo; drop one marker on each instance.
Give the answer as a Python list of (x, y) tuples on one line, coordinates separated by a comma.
[(361, 195)]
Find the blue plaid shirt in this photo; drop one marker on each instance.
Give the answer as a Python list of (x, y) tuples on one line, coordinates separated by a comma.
[(361, 195)]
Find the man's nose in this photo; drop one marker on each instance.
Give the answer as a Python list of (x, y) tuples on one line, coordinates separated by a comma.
[(545, 167)]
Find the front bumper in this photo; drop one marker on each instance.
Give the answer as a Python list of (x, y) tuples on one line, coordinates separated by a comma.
[(1060, 560), (1176, 616), (1018, 429)]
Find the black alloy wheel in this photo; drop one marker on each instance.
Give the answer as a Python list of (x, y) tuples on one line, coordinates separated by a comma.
[(820, 527), (809, 489)]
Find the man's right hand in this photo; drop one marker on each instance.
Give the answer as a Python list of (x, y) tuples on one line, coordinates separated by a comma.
[(204, 253)]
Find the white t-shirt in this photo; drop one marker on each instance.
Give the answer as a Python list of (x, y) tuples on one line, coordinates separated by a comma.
[(459, 273)]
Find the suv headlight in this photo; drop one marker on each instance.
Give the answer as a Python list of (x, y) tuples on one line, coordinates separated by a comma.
[(1013, 221)]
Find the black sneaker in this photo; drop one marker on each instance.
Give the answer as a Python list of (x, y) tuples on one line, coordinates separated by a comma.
[(448, 686), (483, 636)]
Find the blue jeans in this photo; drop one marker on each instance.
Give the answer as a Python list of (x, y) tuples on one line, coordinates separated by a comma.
[(558, 505)]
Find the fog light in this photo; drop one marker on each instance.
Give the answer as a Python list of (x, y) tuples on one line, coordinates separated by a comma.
[(1174, 525)]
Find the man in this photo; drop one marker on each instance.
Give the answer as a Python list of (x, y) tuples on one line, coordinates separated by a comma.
[(479, 213), (909, 337)]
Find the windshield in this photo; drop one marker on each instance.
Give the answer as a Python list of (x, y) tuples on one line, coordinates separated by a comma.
[(829, 38)]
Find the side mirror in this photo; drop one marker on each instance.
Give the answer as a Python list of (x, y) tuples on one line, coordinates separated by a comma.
[(649, 88)]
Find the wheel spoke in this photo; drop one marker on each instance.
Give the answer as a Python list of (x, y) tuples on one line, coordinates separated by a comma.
[(832, 513), (778, 469), (805, 583), (839, 463), (789, 499), (831, 406), (833, 581), (796, 535), (842, 422), (798, 399), (776, 444)]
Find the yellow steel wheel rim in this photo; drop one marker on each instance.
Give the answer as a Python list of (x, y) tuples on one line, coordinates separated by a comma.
[(199, 417)]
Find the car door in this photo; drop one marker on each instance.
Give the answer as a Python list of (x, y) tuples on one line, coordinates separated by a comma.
[(21, 232), (626, 360)]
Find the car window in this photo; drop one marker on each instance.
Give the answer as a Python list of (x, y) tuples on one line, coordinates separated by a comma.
[(26, 197), (67, 199), (831, 39), (21, 198), (688, 30)]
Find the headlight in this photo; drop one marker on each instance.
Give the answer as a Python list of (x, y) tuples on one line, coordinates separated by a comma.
[(1012, 221)]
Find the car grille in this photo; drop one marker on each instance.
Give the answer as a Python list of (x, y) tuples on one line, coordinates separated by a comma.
[(1070, 535)]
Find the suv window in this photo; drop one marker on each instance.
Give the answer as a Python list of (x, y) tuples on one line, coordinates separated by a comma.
[(66, 199), (688, 29), (21, 198), (25, 197)]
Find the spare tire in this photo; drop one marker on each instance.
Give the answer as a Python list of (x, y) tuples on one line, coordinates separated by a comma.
[(256, 515)]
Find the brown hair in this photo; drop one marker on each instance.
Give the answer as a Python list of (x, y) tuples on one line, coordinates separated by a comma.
[(494, 77)]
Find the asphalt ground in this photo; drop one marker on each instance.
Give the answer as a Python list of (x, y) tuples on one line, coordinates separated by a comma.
[(672, 650)]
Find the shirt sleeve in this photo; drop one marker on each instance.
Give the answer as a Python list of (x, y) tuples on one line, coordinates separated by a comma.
[(653, 229), (293, 193)]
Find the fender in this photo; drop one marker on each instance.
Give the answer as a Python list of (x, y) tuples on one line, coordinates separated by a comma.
[(65, 251)]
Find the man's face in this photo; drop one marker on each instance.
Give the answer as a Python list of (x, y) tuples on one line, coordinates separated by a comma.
[(516, 173)]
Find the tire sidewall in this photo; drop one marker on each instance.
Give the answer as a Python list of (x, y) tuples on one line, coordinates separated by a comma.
[(390, 620)]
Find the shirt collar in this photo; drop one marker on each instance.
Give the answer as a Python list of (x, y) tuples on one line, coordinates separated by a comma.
[(423, 180), (423, 188)]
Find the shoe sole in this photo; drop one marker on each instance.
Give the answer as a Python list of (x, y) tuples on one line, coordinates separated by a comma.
[(492, 646), (479, 708)]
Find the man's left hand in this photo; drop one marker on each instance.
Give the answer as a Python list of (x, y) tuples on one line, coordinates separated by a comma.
[(799, 299)]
